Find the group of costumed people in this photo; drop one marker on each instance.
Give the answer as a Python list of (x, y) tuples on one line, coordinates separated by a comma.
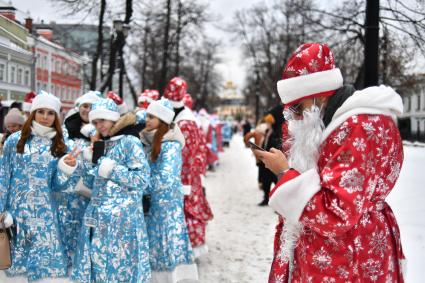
[(110, 195), (341, 156)]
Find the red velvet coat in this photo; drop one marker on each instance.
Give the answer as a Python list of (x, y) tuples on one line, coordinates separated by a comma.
[(196, 208), (338, 227)]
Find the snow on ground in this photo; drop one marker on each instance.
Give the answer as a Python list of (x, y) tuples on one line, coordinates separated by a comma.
[(240, 238), (407, 200)]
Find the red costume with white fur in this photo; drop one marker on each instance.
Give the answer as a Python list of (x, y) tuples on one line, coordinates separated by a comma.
[(338, 227)]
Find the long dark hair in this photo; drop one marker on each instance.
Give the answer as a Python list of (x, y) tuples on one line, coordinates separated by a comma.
[(157, 140), (58, 148)]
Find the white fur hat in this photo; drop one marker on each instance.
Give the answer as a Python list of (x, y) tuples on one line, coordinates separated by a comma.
[(162, 109), (46, 100)]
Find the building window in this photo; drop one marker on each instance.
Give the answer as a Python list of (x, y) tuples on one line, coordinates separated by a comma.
[(418, 100), (38, 87), (54, 90), (2, 72), (27, 78), (20, 73), (12, 74)]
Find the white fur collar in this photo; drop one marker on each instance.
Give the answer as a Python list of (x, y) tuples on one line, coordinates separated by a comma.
[(42, 131), (185, 114), (372, 100)]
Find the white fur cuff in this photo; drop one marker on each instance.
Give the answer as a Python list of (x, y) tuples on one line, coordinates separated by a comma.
[(106, 167), (8, 220), (87, 130), (68, 170), (82, 189), (187, 189), (290, 198), (88, 154)]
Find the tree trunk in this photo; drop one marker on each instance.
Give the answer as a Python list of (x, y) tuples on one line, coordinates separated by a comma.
[(179, 16), (165, 49), (99, 49)]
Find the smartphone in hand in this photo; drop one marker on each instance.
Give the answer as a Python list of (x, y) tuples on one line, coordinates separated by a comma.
[(98, 150), (254, 146)]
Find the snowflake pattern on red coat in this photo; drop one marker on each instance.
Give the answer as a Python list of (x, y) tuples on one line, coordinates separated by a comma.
[(350, 233), (196, 208)]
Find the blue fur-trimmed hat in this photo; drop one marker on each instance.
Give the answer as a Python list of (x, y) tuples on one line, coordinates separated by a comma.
[(162, 109), (104, 109)]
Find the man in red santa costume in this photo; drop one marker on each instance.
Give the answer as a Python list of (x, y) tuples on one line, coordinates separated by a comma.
[(196, 208), (345, 155)]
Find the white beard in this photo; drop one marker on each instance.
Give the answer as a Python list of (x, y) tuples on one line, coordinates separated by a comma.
[(305, 137)]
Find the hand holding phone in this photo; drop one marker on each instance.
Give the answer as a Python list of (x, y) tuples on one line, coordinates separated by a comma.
[(98, 150), (254, 146)]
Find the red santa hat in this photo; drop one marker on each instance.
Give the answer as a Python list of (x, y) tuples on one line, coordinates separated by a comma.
[(175, 91), (26, 106), (122, 107), (146, 97), (310, 72), (187, 100)]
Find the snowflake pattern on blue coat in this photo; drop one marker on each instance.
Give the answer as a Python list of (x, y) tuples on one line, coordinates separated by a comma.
[(27, 182), (168, 237), (71, 207), (113, 242)]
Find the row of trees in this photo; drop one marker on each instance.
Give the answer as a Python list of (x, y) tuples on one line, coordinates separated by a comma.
[(167, 39), (270, 32)]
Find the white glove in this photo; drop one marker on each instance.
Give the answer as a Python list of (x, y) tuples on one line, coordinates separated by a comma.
[(105, 168), (8, 220), (88, 130), (88, 154)]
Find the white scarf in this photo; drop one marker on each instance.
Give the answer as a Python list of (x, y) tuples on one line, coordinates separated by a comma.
[(42, 131)]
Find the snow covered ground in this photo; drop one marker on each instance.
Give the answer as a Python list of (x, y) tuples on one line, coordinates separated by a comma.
[(240, 238)]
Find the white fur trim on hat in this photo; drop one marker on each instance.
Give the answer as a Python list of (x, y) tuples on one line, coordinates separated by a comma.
[(161, 112), (296, 88), (26, 107), (102, 113), (48, 101), (68, 170), (143, 98), (90, 98), (177, 104)]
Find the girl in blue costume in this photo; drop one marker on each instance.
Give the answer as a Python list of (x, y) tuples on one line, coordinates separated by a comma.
[(171, 254), (73, 201), (34, 165), (113, 242)]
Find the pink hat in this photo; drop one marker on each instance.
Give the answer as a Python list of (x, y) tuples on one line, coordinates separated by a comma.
[(310, 72), (175, 91), (14, 116)]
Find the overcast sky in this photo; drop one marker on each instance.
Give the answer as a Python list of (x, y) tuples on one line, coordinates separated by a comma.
[(232, 66)]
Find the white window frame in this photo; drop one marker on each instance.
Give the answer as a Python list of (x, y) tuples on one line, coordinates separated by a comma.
[(20, 80), (4, 79), (27, 82), (12, 75)]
